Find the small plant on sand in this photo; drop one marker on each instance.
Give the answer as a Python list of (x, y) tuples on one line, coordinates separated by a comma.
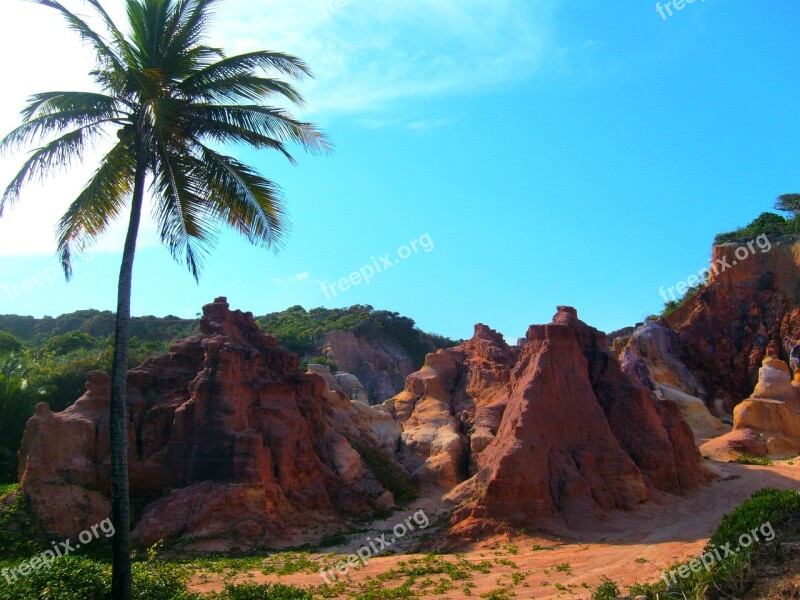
[(764, 461), (564, 568)]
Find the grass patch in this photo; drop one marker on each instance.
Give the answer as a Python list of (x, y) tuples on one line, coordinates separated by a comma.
[(764, 461)]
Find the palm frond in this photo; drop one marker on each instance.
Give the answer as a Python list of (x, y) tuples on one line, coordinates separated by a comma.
[(241, 87), (58, 154), (186, 29), (245, 65), (264, 120), (181, 211), (246, 201), (147, 19), (47, 103), (40, 128), (100, 202), (105, 54)]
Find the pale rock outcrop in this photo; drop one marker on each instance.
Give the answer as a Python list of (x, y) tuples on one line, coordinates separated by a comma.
[(450, 410), (771, 416), (377, 360), (651, 356)]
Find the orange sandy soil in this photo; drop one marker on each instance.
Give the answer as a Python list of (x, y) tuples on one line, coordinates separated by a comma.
[(662, 532)]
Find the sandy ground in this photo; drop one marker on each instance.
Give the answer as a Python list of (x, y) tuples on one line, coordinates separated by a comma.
[(634, 546)]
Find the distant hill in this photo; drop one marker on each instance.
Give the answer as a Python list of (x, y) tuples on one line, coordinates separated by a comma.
[(99, 324), (297, 329)]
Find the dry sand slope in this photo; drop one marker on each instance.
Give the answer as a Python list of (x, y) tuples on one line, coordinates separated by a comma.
[(633, 547)]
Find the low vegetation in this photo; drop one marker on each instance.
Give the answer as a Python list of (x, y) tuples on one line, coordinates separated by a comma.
[(301, 330), (736, 574), (391, 475), (764, 461), (769, 223)]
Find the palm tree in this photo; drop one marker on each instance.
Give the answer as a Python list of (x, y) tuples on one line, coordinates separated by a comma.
[(169, 98)]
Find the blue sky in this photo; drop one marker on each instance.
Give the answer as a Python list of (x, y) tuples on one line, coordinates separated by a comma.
[(559, 152)]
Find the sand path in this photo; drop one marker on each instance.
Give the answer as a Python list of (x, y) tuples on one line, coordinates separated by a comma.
[(633, 547)]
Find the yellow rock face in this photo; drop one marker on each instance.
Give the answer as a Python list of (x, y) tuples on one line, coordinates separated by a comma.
[(773, 411)]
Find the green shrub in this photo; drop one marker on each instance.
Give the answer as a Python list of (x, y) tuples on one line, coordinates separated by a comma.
[(274, 591), (318, 360), (765, 224), (61, 345), (733, 576), (159, 580), (67, 578), (9, 343), (607, 590), (76, 578), (766, 505), (391, 474)]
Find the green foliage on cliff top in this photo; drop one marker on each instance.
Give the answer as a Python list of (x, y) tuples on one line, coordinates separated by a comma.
[(769, 223), (301, 331)]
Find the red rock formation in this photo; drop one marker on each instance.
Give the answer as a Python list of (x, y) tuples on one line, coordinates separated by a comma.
[(555, 434), (228, 441), (750, 305)]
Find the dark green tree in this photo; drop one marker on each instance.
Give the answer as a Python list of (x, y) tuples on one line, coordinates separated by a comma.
[(789, 203), (170, 99)]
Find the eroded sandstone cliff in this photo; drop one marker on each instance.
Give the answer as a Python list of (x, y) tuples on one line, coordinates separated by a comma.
[(750, 307), (552, 433), (229, 443)]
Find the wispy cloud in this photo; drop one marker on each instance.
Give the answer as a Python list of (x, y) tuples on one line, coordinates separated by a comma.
[(370, 54), (305, 276)]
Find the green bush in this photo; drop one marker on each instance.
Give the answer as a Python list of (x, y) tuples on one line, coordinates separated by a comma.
[(9, 343), (318, 360), (159, 580), (275, 591), (61, 345), (67, 578), (766, 505), (765, 224), (733, 576), (75, 578), (607, 590), (764, 461)]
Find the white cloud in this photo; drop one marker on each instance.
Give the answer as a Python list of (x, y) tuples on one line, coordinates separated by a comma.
[(369, 54), (305, 276)]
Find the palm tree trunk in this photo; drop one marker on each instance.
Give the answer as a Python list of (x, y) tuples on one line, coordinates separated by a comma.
[(120, 499)]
